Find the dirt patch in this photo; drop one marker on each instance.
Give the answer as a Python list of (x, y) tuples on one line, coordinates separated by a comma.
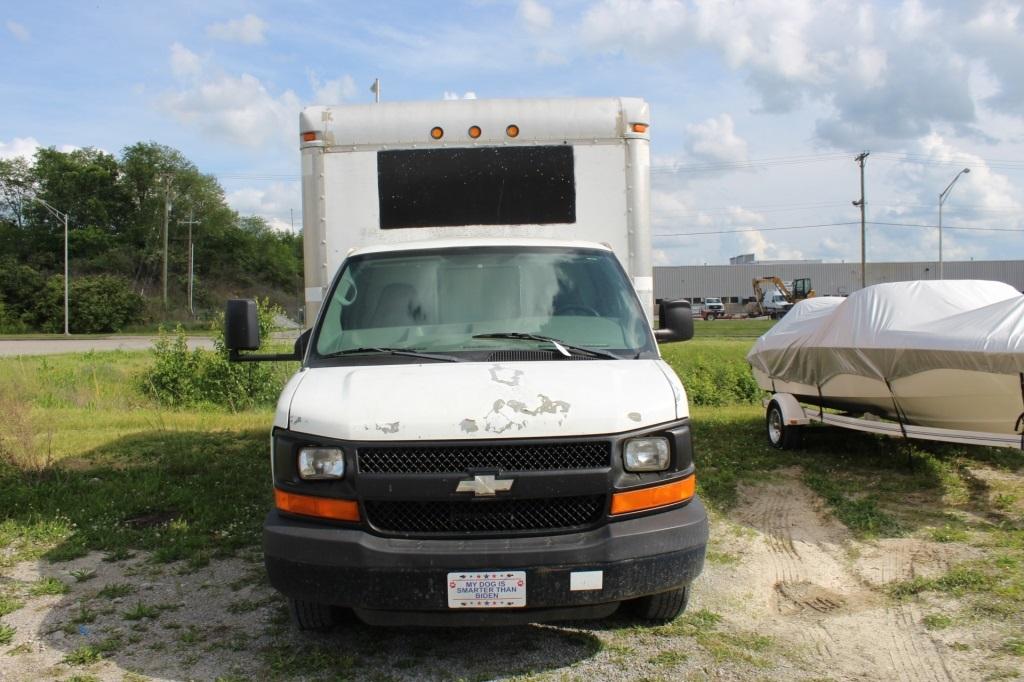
[(789, 593)]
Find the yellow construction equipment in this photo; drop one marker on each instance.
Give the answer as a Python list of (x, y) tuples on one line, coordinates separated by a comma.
[(774, 299)]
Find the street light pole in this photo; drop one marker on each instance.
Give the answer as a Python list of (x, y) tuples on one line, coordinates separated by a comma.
[(942, 200), (60, 215)]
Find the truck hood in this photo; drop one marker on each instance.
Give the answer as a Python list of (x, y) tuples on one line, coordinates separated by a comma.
[(452, 401)]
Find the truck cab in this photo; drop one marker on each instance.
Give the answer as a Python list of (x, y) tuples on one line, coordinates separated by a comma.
[(482, 430)]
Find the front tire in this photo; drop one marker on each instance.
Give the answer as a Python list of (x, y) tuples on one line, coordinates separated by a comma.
[(661, 607), (780, 435), (710, 317), (312, 616)]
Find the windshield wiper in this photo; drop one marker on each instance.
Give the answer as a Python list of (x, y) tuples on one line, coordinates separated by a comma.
[(561, 346), (410, 352)]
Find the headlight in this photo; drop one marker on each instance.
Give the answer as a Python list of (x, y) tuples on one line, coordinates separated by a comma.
[(320, 463), (647, 454)]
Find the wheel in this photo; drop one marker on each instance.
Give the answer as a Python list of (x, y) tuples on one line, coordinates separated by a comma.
[(312, 616), (710, 317), (780, 435), (663, 607)]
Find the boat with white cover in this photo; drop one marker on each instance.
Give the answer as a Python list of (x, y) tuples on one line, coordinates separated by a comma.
[(932, 356)]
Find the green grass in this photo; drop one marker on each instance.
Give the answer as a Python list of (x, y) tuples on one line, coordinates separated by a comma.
[(731, 329), (9, 604), (7, 633), (48, 586), (937, 621), (115, 590)]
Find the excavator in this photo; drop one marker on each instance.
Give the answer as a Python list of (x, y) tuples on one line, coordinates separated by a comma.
[(773, 298)]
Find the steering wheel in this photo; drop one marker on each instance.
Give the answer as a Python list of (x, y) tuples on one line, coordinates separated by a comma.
[(577, 308)]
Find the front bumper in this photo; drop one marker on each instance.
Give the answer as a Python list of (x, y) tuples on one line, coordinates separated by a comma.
[(392, 580)]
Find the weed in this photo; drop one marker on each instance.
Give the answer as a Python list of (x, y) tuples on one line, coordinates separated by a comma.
[(83, 678), (722, 558), (140, 611), (119, 554), (957, 581), (937, 621), (109, 645), (116, 590), (48, 586), (9, 604), (84, 615), (668, 659), (1014, 646), (21, 649), (192, 635), (243, 606), (18, 434), (83, 655), (948, 534), (83, 574), (7, 633)]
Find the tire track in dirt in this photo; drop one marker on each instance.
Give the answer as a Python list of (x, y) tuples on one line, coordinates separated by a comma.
[(812, 596)]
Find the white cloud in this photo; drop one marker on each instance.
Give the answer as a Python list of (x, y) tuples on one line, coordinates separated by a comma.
[(184, 62), (634, 25), (19, 31), (334, 91), (19, 147), (715, 140), (248, 30), (277, 203), (536, 16), (236, 109), (450, 95)]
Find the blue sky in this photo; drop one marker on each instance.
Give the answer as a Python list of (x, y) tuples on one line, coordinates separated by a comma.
[(758, 107)]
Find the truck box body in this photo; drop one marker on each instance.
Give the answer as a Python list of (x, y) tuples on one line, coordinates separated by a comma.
[(482, 430), (356, 190)]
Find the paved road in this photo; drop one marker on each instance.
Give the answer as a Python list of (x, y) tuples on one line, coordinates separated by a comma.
[(10, 347)]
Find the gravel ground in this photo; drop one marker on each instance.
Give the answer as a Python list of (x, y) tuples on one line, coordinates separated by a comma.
[(787, 594)]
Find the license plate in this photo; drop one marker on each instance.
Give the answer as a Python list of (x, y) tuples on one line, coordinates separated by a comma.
[(487, 590)]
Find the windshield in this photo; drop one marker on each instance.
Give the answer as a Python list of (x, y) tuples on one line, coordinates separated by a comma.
[(438, 300), (713, 301)]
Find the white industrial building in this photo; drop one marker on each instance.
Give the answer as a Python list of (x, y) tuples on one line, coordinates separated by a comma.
[(732, 283)]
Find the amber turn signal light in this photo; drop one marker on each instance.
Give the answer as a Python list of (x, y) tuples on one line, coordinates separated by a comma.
[(437, 132), (655, 496), (640, 127), (512, 130), (474, 131), (320, 507), (309, 137)]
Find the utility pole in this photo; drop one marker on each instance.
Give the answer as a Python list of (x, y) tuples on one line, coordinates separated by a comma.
[(191, 255), (167, 217), (291, 216), (863, 250)]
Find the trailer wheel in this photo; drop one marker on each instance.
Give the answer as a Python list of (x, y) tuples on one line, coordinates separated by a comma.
[(661, 607), (781, 435), (312, 616)]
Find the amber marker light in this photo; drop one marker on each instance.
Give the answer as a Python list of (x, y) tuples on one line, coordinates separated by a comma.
[(474, 131), (309, 137), (512, 130), (437, 132), (655, 496), (640, 127), (320, 507)]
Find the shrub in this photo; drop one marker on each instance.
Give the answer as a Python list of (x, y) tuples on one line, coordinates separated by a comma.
[(97, 304), (183, 378)]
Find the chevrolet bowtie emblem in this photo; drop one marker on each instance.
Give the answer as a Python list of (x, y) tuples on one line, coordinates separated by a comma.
[(484, 486)]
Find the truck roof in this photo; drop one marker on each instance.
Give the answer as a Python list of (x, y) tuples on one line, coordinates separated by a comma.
[(555, 120), (475, 242)]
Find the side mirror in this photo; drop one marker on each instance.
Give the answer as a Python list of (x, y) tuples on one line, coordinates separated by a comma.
[(302, 343), (241, 325), (676, 321)]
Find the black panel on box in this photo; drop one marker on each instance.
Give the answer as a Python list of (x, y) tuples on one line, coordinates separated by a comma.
[(476, 186)]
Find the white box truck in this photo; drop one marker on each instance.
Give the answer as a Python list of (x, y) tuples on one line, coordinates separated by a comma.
[(482, 429)]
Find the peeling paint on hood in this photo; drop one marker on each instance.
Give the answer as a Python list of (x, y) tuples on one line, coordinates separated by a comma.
[(468, 401)]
